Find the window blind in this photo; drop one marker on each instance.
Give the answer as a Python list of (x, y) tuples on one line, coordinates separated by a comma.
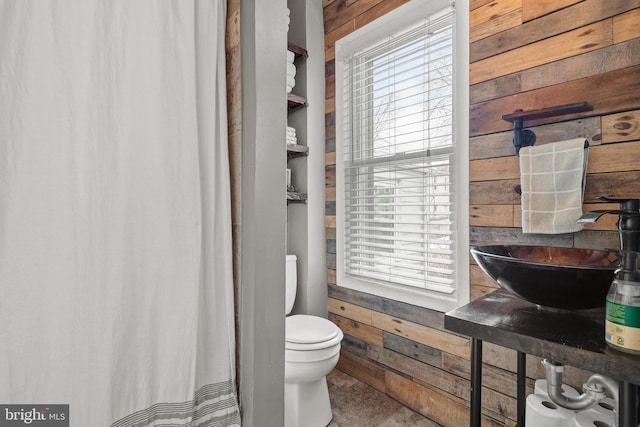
[(398, 150)]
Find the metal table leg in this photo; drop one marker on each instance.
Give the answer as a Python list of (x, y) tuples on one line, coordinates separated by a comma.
[(476, 382), (521, 398), (628, 405)]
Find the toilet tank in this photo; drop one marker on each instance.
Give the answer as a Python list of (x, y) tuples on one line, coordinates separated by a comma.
[(291, 282)]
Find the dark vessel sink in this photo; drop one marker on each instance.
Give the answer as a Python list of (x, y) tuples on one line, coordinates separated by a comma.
[(558, 278)]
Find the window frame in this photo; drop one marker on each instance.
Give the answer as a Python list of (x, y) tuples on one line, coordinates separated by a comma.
[(393, 22)]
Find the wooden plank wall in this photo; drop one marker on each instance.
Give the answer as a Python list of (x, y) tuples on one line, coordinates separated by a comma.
[(526, 54)]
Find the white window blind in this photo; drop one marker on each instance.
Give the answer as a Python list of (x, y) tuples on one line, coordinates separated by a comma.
[(398, 147)]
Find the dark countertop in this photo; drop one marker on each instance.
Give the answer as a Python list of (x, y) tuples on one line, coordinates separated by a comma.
[(574, 338)]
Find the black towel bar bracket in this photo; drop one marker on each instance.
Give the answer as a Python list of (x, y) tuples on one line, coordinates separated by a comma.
[(525, 137)]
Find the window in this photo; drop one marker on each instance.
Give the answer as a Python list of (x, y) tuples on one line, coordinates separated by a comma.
[(402, 156)]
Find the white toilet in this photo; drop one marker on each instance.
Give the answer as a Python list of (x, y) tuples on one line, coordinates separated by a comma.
[(312, 349)]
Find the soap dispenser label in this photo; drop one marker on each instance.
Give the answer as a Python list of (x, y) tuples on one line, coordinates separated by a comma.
[(622, 326)]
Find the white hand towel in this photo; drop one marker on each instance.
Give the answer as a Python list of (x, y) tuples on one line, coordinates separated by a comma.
[(552, 181), (291, 81), (291, 70), (290, 57)]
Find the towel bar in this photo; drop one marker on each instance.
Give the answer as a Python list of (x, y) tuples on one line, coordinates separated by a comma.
[(524, 137)]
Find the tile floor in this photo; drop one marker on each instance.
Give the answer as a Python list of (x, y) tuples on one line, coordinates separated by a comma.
[(356, 404)]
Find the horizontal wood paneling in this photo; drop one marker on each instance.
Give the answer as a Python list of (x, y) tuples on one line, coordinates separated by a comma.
[(621, 127), (532, 9), (493, 26), (577, 16), (581, 40), (616, 91), (436, 405), (625, 26), (526, 54), (492, 11), (610, 58), (422, 334)]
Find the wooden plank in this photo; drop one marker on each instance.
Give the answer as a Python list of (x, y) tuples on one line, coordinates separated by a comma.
[(377, 11), (494, 378), (494, 192), (596, 239), (600, 61), (329, 52), (515, 236), (330, 105), (330, 158), (440, 408), (491, 215), (427, 374), (581, 40), (330, 91), (357, 329), (331, 277), (330, 125), (429, 336), (478, 277), (330, 38), (617, 91), (474, 4), (605, 158), (611, 58), (412, 313), (330, 193), (330, 221), (532, 9), (365, 371), (583, 13), (495, 25), (624, 156), (329, 144), (330, 232), (412, 349), (624, 185), (354, 346), (626, 27), (340, 12), (606, 222), (330, 175), (350, 311), (621, 127), (494, 169), (501, 144), (491, 11), (478, 291), (331, 261)]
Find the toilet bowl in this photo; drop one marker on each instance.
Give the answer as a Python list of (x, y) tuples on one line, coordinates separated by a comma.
[(312, 349)]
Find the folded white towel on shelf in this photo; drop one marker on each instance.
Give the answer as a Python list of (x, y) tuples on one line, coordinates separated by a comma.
[(552, 180), (290, 57), (291, 81), (291, 131), (291, 70)]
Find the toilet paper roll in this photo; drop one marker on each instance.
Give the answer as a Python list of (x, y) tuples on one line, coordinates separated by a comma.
[(567, 390), (591, 419), (541, 411)]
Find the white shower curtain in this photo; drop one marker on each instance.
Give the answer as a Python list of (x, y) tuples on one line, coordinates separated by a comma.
[(116, 293)]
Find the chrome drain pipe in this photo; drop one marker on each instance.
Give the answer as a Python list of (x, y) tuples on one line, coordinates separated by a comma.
[(594, 390)]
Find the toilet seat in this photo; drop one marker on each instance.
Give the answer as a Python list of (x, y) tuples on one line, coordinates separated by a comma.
[(306, 333)]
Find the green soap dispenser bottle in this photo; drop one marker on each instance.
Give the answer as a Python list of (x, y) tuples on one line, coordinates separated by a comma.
[(622, 322)]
